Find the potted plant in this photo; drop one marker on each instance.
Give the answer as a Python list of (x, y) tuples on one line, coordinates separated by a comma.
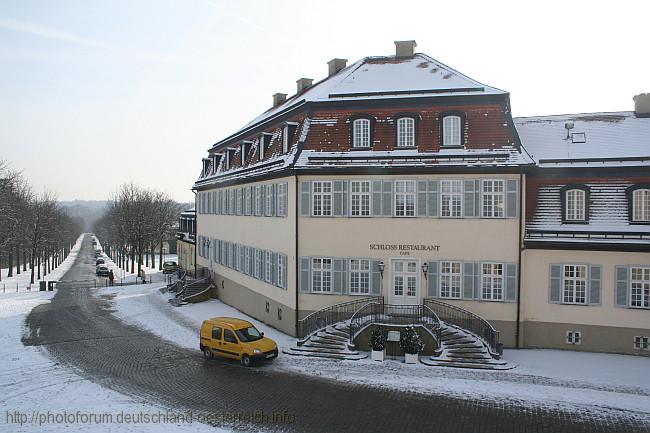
[(377, 344), (412, 344)]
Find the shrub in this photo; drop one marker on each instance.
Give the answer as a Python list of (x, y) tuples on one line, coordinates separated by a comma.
[(377, 340), (410, 341)]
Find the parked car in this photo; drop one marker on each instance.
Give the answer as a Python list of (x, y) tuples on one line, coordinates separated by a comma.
[(233, 338), (102, 271), (170, 267), (99, 261)]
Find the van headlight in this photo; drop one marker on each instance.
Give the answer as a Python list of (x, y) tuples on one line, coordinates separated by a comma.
[(257, 351)]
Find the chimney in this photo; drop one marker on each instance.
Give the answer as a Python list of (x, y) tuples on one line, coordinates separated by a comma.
[(642, 105), (335, 65), (278, 99), (303, 84), (405, 48)]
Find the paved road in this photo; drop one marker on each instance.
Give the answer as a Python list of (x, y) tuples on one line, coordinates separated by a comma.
[(80, 331)]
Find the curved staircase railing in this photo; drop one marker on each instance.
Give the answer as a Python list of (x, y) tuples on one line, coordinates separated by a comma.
[(466, 319), (332, 314), (389, 314)]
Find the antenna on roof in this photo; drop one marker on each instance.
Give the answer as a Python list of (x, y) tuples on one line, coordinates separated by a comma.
[(568, 126)]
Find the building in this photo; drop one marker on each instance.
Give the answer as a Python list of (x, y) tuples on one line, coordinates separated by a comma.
[(186, 240), (419, 187)]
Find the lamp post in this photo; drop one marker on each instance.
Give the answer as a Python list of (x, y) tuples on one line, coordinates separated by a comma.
[(425, 269)]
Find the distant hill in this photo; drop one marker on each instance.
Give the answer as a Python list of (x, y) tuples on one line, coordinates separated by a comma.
[(88, 211)]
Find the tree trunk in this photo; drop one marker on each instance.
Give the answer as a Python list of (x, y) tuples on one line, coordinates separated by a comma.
[(160, 260), (31, 266), (24, 261), (10, 272), (17, 260), (39, 266)]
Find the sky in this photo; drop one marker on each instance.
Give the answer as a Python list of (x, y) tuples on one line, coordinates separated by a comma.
[(95, 94)]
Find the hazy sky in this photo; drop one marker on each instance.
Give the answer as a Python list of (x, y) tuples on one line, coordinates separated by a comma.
[(97, 93)]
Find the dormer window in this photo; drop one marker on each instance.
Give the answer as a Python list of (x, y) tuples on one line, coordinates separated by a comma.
[(265, 140), (287, 135), (245, 151), (452, 130), (639, 199), (575, 204), (406, 132), (361, 133), (230, 157)]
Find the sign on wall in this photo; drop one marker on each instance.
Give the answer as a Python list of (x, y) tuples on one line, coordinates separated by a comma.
[(404, 249)]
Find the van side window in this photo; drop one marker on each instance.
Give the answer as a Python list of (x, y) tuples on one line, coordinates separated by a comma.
[(216, 333), (229, 336)]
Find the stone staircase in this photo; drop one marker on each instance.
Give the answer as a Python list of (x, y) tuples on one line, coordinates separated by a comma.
[(462, 349), (190, 293), (331, 342)]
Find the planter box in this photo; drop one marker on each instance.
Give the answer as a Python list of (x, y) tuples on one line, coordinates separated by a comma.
[(410, 358), (377, 355)]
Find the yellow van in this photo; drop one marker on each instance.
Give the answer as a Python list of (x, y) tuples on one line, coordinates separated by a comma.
[(235, 339)]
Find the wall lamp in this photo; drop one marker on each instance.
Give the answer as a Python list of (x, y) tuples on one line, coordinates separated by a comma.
[(381, 268), (425, 269)]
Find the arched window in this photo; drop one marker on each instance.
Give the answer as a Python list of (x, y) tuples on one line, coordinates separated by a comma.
[(574, 204), (405, 132), (641, 205), (452, 130), (361, 133)]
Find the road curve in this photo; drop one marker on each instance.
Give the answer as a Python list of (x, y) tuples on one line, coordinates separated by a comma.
[(79, 331)]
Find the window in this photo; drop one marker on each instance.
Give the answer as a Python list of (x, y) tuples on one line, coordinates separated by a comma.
[(229, 336), (574, 205), (282, 267), (249, 201), (573, 337), (574, 284), (451, 131), (285, 139), (268, 198), (361, 133), (267, 267), (247, 260), (450, 278), (404, 198), (493, 198), (641, 343), (360, 198), (321, 270), (258, 200), (492, 281), (641, 205), (451, 198), (640, 287), (322, 198), (359, 276), (257, 272), (216, 333), (405, 132)]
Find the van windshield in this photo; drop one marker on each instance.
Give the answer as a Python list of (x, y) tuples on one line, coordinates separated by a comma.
[(248, 334)]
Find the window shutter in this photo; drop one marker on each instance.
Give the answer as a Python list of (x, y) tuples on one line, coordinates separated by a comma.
[(305, 199), (285, 270), (261, 264), (433, 198), (233, 202), (469, 198), (274, 269), (511, 282), (594, 285), (387, 198), (622, 285), (345, 283), (469, 270), (282, 199), (251, 262), (274, 199), (375, 278), (339, 197), (305, 274), (240, 200), (422, 198), (337, 276), (432, 280), (376, 198), (555, 283), (512, 198)]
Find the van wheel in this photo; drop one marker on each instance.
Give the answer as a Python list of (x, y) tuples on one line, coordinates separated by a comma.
[(246, 361), (207, 353)]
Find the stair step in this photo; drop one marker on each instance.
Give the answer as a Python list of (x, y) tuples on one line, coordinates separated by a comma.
[(324, 345), (462, 345), (333, 338), (349, 357), (337, 333), (468, 350), (490, 361), (468, 355), (465, 365), (458, 339), (324, 350)]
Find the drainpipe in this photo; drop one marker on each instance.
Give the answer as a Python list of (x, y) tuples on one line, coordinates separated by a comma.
[(297, 261), (196, 229), (521, 249)]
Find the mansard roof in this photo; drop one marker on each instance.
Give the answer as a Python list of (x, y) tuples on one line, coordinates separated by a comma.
[(610, 139), (386, 77)]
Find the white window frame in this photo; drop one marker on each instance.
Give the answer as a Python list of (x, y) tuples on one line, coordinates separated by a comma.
[(492, 291), (361, 133), (261, 147), (321, 271), (282, 265), (641, 342), (409, 194), (406, 132), (572, 282), (641, 205), (362, 197), (640, 285), (452, 199), (574, 337), (268, 265), (321, 197), (575, 200), (359, 281), (285, 139), (449, 278), (497, 199), (452, 134), (268, 200)]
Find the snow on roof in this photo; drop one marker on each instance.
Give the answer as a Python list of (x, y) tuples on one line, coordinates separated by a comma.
[(618, 138), (384, 77)]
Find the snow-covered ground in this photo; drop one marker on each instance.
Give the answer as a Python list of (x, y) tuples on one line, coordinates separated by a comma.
[(21, 282), (591, 384), (37, 392)]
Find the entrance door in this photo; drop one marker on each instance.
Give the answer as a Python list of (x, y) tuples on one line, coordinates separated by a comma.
[(405, 284)]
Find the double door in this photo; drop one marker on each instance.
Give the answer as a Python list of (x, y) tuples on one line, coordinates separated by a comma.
[(405, 282)]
